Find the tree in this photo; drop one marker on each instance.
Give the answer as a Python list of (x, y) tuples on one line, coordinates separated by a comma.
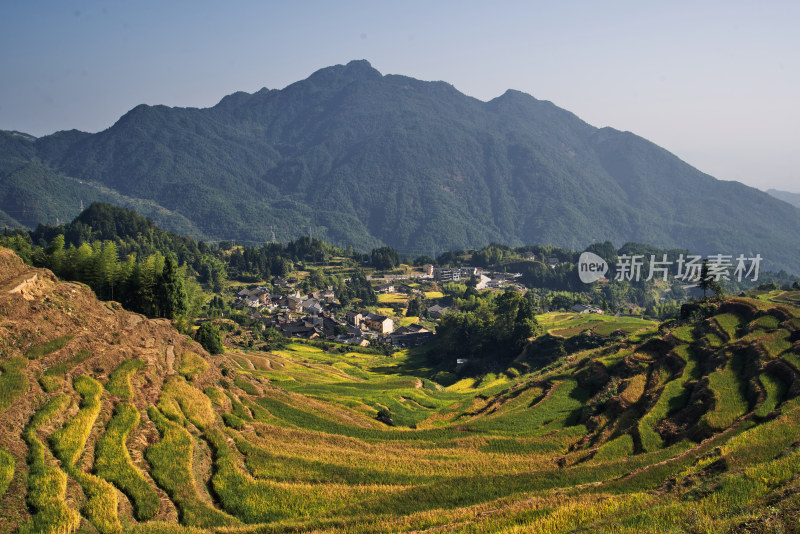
[(525, 324), (705, 281), (81, 264), (146, 300), (384, 258), (209, 337), (55, 254), (195, 298), (316, 279), (414, 307), (172, 291), (491, 255), (19, 242), (604, 250), (273, 338), (362, 289), (385, 417), (212, 273), (110, 269), (561, 302), (716, 287)]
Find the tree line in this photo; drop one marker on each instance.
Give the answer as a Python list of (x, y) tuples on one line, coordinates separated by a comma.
[(488, 330)]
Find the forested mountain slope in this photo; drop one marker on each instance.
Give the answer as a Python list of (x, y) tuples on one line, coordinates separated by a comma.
[(356, 157)]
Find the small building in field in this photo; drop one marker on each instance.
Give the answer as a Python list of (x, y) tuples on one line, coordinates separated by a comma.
[(354, 318), (358, 341), (379, 323), (483, 282), (312, 306), (385, 288), (585, 308), (436, 311), (294, 303), (412, 335)]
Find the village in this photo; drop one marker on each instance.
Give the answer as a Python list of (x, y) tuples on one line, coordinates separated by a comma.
[(319, 315)]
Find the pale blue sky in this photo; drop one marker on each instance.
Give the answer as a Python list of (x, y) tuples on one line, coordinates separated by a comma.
[(717, 83)]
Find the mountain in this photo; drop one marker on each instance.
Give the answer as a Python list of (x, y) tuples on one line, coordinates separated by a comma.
[(791, 198), (360, 158), (110, 421)]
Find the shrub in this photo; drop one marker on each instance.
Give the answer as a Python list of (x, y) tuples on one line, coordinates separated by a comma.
[(209, 338), (385, 416)]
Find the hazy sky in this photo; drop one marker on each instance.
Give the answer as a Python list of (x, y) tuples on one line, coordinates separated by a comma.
[(716, 83)]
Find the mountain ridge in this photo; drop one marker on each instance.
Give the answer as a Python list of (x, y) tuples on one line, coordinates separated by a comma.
[(786, 196), (365, 159)]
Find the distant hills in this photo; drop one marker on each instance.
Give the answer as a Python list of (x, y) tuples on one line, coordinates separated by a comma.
[(791, 198), (359, 158)]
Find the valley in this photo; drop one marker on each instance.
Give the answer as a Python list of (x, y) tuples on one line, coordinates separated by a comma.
[(114, 422)]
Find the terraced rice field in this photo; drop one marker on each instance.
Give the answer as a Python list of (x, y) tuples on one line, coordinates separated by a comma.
[(570, 324), (392, 298), (672, 434)]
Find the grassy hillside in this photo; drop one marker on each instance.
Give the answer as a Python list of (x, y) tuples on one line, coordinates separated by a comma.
[(684, 426)]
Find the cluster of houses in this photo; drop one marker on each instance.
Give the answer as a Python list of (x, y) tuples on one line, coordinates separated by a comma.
[(312, 317), (485, 279), (383, 327), (294, 314), (392, 287), (260, 299)]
